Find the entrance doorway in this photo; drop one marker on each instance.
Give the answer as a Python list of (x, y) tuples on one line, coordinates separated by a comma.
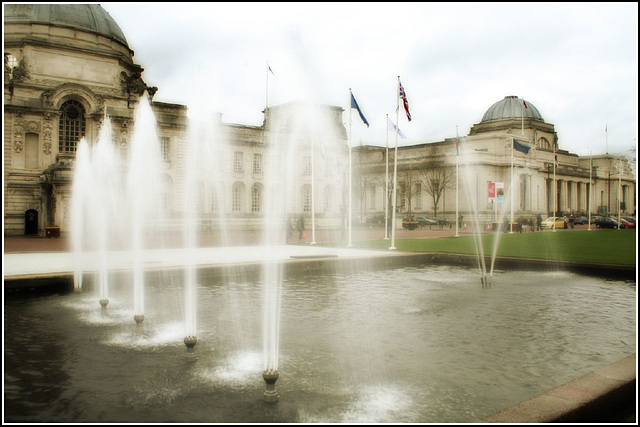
[(31, 222)]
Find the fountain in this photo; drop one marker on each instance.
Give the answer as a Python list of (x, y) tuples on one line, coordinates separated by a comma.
[(419, 344), (408, 344)]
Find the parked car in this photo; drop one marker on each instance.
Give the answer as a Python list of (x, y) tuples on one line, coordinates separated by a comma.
[(607, 223), (581, 220), (442, 221), (547, 224), (625, 223), (423, 220)]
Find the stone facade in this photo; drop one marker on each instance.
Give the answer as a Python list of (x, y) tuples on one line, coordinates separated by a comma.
[(57, 69), (485, 157)]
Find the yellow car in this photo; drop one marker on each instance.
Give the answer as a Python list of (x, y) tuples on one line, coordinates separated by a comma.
[(547, 224)]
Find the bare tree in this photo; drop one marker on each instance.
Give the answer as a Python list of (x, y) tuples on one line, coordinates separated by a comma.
[(408, 177), (436, 176)]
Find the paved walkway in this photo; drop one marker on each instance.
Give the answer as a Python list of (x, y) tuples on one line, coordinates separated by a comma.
[(37, 256), (41, 264)]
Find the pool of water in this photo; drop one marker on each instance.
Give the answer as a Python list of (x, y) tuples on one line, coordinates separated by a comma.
[(411, 345)]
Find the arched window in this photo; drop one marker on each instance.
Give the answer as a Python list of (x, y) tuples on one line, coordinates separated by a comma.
[(256, 198), (544, 143), (236, 201), (306, 198), (215, 193), (71, 126)]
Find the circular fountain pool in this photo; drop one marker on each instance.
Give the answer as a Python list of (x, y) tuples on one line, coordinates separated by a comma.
[(413, 345)]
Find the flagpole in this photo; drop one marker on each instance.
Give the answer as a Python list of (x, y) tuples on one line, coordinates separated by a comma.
[(386, 191), (555, 188), (350, 96), (395, 171), (522, 114), (457, 163), (619, 192), (267, 91), (590, 187), (313, 195), (511, 190)]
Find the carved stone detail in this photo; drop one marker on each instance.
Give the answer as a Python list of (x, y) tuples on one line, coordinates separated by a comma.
[(47, 133)]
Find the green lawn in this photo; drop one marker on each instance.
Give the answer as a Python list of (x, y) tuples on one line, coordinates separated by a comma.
[(596, 246)]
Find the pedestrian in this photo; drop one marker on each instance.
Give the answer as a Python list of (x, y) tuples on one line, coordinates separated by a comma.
[(300, 227), (289, 229), (539, 222), (460, 221), (571, 222)]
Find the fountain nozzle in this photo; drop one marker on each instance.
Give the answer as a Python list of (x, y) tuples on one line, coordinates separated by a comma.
[(270, 377), (190, 342), (139, 318)]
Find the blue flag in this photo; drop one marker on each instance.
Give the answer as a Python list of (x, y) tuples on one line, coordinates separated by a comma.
[(354, 104), (520, 147)]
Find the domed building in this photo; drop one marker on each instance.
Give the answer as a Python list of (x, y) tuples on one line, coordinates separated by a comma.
[(546, 178), (67, 67)]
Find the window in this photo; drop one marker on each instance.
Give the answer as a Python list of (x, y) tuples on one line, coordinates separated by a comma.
[(199, 198), (328, 191), (402, 193), (257, 162), (419, 196), (164, 148), (544, 143), (237, 161), (236, 201), (10, 61), (307, 165), (306, 198), (256, 198), (214, 199), (71, 126)]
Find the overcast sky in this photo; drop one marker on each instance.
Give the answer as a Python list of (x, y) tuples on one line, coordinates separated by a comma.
[(576, 62)]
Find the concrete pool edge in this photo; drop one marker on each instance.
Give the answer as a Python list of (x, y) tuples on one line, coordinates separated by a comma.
[(383, 259), (595, 397)]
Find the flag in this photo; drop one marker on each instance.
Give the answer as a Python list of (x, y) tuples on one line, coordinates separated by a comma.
[(520, 147), (403, 95), (525, 104), (271, 70), (354, 104), (393, 127), (556, 163), (457, 145)]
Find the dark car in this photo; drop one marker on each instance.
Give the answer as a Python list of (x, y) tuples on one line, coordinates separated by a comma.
[(442, 221), (423, 220), (581, 220), (606, 223)]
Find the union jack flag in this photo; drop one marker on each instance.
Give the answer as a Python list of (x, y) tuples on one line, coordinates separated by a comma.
[(403, 95)]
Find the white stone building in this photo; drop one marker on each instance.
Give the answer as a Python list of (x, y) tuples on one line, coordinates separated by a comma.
[(69, 66), (485, 158)]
